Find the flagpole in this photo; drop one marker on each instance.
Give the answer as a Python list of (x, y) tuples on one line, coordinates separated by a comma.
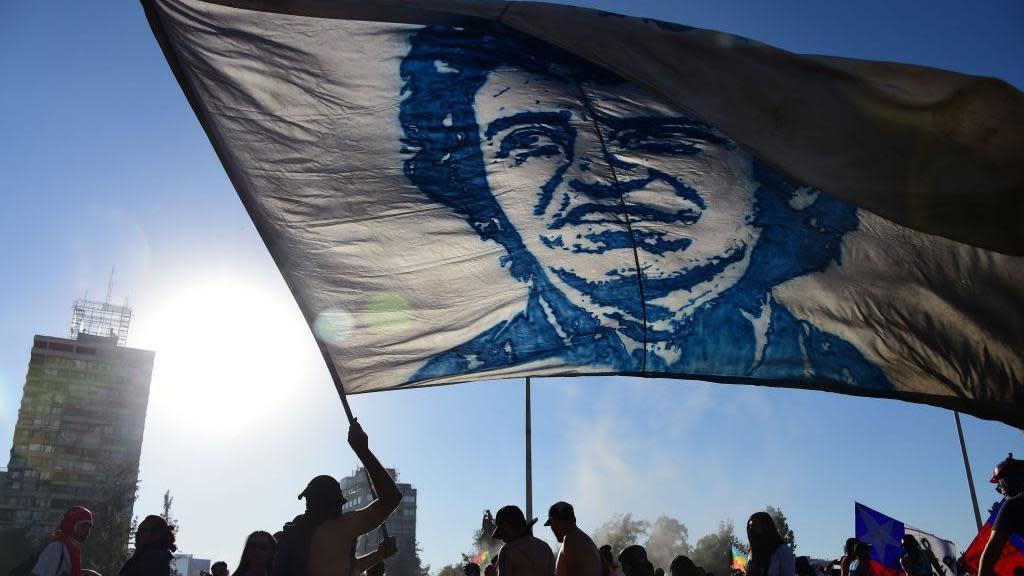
[(967, 467), (529, 456)]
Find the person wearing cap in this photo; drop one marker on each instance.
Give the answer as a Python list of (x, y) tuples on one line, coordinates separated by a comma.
[(1008, 477), (634, 561), (577, 555), (322, 541), (63, 555), (523, 554)]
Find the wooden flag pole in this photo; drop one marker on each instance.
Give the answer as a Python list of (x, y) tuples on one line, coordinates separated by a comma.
[(339, 387), (967, 467), (529, 456)]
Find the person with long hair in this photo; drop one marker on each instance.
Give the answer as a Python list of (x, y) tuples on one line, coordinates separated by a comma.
[(769, 555), (154, 549), (608, 565), (257, 555)]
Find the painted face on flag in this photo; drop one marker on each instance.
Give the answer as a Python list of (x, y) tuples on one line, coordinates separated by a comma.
[(569, 175)]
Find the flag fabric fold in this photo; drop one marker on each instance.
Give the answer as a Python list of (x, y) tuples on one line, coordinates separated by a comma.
[(455, 191), (1010, 560)]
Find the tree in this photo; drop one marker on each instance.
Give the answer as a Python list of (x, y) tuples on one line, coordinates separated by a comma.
[(107, 547), (166, 515), (668, 539), (784, 530), (450, 570), (714, 551), (620, 531)]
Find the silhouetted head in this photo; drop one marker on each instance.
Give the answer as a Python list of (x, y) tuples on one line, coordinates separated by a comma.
[(683, 566), (608, 558), (851, 546), (511, 524), (634, 561), (155, 532), (762, 532), (324, 498), (1008, 476), (561, 519), (219, 568), (259, 550), (471, 569)]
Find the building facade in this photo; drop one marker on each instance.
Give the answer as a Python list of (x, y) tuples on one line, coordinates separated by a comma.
[(401, 524), (188, 565), (79, 432)]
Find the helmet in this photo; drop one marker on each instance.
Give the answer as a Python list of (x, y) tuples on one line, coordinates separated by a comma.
[(1007, 467), (1008, 476)]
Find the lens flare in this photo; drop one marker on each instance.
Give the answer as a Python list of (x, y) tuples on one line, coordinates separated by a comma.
[(388, 314), (333, 326)]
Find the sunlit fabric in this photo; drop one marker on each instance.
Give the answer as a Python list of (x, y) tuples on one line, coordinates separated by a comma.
[(452, 199)]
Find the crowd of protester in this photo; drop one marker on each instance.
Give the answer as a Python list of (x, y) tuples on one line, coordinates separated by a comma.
[(322, 540)]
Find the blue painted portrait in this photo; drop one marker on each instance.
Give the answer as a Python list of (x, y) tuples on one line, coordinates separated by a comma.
[(647, 241)]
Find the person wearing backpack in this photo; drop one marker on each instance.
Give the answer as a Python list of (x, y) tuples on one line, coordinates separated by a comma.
[(63, 555)]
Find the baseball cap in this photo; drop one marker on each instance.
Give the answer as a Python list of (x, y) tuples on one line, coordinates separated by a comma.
[(562, 511), (512, 514), (322, 486)]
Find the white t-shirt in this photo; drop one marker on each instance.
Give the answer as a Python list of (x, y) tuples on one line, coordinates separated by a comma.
[(54, 560)]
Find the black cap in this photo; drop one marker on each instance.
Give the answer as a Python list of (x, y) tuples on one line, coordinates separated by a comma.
[(323, 486), (562, 511), (510, 514), (633, 555)]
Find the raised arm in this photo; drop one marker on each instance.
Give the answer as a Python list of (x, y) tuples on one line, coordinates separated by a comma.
[(387, 548), (388, 496)]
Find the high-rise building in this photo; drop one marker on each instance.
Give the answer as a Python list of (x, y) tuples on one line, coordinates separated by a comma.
[(401, 524), (79, 432), (188, 565)]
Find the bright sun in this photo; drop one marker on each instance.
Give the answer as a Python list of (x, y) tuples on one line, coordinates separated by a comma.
[(227, 350)]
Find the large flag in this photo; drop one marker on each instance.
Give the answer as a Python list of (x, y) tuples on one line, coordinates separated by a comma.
[(489, 189), (1010, 560), (885, 535)]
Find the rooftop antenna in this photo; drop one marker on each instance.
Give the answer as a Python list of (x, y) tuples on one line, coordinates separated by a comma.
[(110, 285)]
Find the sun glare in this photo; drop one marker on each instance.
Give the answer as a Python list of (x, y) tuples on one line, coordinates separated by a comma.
[(227, 351)]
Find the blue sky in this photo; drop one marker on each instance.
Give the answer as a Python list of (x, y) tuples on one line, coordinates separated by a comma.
[(105, 165)]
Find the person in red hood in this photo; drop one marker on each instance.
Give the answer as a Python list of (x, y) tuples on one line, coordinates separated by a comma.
[(63, 555)]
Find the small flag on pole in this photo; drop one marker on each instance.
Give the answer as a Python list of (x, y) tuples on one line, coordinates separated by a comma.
[(739, 560)]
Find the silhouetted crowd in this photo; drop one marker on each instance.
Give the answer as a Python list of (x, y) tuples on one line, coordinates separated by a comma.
[(322, 540)]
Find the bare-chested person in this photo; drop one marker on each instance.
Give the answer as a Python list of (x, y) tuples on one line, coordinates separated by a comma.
[(578, 555), (322, 541), (523, 554)]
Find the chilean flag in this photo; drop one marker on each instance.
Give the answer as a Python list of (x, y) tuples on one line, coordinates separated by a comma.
[(1012, 557), (885, 535)]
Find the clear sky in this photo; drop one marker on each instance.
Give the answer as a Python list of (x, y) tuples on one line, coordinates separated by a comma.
[(105, 165)]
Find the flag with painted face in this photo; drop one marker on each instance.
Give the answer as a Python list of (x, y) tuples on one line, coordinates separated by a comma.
[(458, 193)]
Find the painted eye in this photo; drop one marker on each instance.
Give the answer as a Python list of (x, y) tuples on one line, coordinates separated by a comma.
[(530, 142)]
